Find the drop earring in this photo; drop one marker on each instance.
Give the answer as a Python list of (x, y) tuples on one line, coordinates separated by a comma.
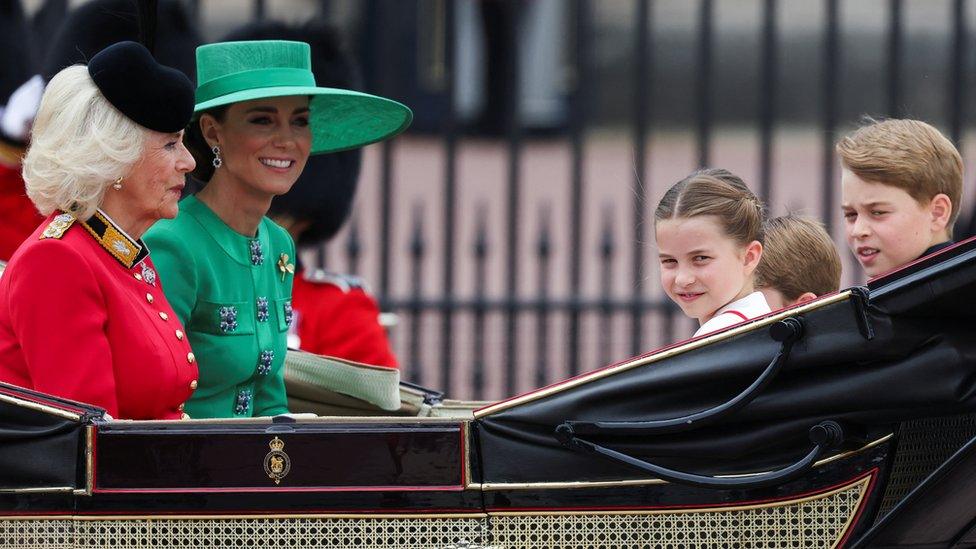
[(217, 162), (118, 184)]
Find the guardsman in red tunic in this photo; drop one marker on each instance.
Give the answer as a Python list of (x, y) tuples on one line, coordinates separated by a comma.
[(82, 311), (334, 314), (20, 218), (85, 31), (20, 92)]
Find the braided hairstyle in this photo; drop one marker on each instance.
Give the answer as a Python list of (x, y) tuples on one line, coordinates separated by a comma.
[(718, 192)]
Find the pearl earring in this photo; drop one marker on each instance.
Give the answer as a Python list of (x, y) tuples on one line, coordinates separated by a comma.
[(118, 184)]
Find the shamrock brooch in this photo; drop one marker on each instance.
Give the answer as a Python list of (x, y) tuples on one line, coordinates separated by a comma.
[(285, 267)]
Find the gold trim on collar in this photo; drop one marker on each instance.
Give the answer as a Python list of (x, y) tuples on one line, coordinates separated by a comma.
[(113, 239)]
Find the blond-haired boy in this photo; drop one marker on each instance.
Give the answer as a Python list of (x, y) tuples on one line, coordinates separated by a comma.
[(902, 184), (799, 261)]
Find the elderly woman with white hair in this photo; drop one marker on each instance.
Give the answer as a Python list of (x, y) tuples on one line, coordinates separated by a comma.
[(82, 311)]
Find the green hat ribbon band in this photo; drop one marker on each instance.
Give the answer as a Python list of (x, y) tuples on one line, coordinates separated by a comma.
[(257, 78)]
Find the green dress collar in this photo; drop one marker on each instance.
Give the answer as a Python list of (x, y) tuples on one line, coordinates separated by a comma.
[(242, 249)]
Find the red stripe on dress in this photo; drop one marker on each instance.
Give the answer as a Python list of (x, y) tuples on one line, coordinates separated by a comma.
[(744, 317)]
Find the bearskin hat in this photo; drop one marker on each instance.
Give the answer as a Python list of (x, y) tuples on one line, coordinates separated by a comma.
[(97, 24), (45, 24), (15, 40), (20, 64)]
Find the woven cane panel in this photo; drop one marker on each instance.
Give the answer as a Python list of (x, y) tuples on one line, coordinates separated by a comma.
[(42, 534), (325, 533), (812, 523), (923, 445)]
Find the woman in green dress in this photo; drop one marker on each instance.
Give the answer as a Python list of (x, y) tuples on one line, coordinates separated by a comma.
[(228, 268)]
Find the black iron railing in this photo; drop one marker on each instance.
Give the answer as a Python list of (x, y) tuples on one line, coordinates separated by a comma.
[(473, 333)]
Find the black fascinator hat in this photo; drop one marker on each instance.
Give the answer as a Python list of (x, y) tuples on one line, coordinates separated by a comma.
[(151, 95)]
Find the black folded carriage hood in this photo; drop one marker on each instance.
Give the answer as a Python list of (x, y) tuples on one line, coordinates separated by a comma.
[(866, 359), (43, 441)]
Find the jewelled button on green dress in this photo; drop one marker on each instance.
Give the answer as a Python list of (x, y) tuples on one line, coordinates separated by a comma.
[(233, 294)]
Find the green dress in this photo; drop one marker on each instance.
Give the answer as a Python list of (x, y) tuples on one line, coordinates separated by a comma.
[(233, 294)]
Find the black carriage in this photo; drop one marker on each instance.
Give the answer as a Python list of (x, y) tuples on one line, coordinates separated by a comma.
[(843, 422)]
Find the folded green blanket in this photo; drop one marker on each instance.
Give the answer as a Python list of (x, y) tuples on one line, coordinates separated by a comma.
[(373, 384)]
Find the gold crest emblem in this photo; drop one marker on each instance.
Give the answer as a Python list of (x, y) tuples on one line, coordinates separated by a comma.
[(277, 464)]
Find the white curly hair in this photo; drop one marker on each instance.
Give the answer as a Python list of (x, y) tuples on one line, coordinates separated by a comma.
[(80, 144)]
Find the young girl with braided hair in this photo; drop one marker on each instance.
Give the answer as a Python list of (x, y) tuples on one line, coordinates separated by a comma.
[(708, 228)]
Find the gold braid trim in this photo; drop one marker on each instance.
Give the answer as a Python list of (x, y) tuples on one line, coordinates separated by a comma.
[(112, 240)]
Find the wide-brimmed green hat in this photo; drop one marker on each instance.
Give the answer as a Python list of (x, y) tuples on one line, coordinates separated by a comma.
[(231, 72)]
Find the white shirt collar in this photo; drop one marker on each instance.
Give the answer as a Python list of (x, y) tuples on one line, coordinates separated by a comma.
[(751, 305)]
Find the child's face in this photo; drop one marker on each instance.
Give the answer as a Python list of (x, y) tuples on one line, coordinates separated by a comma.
[(887, 228), (703, 269)]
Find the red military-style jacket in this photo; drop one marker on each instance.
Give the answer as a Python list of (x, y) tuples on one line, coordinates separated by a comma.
[(83, 316), (334, 316)]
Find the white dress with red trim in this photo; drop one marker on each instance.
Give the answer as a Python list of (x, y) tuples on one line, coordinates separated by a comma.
[(747, 308)]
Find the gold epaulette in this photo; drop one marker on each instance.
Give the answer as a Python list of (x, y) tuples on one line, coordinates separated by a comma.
[(58, 226)]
